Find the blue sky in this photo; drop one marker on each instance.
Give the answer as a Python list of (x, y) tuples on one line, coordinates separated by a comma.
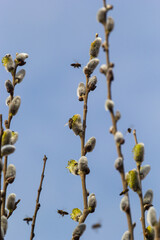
[(55, 34)]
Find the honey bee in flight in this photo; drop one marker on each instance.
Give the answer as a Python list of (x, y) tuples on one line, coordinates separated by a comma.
[(76, 65), (96, 225), (27, 220), (62, 213)]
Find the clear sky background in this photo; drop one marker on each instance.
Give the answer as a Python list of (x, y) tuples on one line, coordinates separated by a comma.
[(55, 34)]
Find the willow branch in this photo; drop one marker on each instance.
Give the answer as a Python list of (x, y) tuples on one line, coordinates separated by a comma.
[(7, 125), (140, 193), (37, 200), (82, 174), (118, 146)]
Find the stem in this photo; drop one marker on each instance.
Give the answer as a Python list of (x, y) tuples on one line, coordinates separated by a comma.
[(82, 174), (140, 193), (114, 123), (37, 200)]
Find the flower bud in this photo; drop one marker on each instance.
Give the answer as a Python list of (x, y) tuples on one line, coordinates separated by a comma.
[(109, 24), (86, 70), (8, 63), (148, 197), (94, 48), (2, 233), (110, 76), (149, 233), (133, 181), (7, 149), (9, 86), (92, 64), (118, 137), (138, 153), (144, 170), (76, 213), (109, 104), (92, 83), (14, 137), (92, 202), (8, 100), (90, 145), (101, 15), (6, 137), (151, 217), (73, 167), (20, 75), (83, 165), (11, 201), (11, 173), (124, 204), (126, 236), (4, 224), (78, 231), (14, 106), (111, 130), (81, 90), (119, 164), (103, 69), (21, 57), (117, 116), (75, 124)]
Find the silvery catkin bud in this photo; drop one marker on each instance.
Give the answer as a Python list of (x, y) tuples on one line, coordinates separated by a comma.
[(8, 63), (14, 137), (11, 173), (11, 201), (92, 64), (109, 104), (138, 153), (151, 217), (103, 69), (83, 165), (8, 100), (14, 106), (94, 48), (4, 224), (6, 137), (21, 56), (126, 236), (148, 197), (92, 83), (119, 164), (124, 204), (109, 24), (20, 75), (117, 116), (9, 86), (2, 233), (144, 170), (110, 76), (101, 15), (7, 149), (81, 90), (92, 202), (89, 146), (78, 231), (118, 137)]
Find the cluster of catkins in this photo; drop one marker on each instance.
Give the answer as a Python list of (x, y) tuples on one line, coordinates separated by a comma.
[(132, 179), (75, 123), (9, 137)]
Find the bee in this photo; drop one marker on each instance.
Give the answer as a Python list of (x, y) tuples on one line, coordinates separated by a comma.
[(62, 213), (27, 219), (96, 225), (76, 65)]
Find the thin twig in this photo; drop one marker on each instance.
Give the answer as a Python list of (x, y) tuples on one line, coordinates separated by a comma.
[(118, 146), (37, 200), (140, 194)]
